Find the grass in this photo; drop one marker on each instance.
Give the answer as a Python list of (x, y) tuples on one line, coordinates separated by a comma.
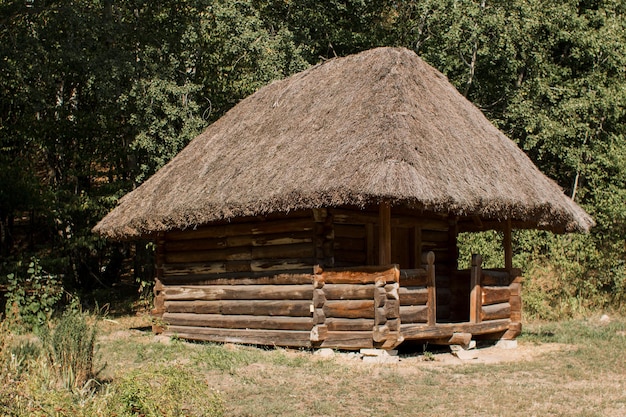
[(568, 368)]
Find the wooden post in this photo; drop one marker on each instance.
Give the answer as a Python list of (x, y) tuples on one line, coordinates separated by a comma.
[(432, 294), (508, 246), (384, 253), (159, 296), (476, 290)]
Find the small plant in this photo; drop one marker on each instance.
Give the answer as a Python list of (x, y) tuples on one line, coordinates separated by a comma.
[(71, 349), (31, 296), (169, 391)]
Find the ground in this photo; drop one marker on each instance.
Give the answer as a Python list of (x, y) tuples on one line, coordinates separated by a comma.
[(574, 368)]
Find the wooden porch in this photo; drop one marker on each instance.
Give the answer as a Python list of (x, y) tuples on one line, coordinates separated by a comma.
[(346, 308)]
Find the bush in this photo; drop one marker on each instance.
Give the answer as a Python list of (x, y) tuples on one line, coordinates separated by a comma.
[(31, 296), (71, 347), (163, 392)]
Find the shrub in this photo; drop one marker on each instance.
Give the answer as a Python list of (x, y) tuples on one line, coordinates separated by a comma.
[(168, 391), (71, 348), (31, 296)]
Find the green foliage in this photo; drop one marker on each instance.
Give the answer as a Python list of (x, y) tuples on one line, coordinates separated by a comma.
[(71, 348), (95, 96), (165, 391), (487, 244), (31, 296)]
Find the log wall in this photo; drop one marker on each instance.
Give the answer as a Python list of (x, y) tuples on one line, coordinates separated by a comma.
[(495, 295), (356, 308), (356, 243), (248, 281)]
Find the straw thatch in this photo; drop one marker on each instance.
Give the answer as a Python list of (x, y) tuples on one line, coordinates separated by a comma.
[(382, 124)]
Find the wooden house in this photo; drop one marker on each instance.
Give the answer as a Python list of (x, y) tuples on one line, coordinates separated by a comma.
[(324, 210)]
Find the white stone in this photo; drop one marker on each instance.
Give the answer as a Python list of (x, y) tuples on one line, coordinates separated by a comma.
[(383, 359), (325, 352), (466, 355), (507, 344), (159, 338), (378, 352), (605, 319)]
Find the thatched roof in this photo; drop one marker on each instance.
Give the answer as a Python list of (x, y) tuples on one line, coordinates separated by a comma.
[(382, 124)]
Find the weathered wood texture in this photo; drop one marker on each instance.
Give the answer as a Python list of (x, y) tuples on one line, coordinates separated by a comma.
[(357, 237), (356, 308), (418, 300), (253, 281), (496, 295), (261, 246)]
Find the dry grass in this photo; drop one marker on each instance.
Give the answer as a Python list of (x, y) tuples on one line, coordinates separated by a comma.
[(562, 369), (575, 368)]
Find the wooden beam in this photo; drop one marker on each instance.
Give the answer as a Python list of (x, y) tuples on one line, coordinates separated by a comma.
[(295, 308), (423, 331), (475, 289), (239, 321), (432, 291), (384, 253), (296, 338), (508, 246)]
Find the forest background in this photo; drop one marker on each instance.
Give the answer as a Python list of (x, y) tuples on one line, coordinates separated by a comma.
[(96, 95)]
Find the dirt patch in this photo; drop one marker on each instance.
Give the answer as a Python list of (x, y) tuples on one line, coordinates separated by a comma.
[(444, 357)]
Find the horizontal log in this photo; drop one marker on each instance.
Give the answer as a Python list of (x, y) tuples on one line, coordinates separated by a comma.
[(238, 241), (495, 278), (239, 321), (290, 338), (413, 277), (349, 291), (414, 314), (347, 216), (238, 278), (413, 296), (361, 275), (301, 250), (271, 265), (344, 216), (348, 340), (295, 308), (350, 231), (457, 338), (239, 292), (238, 229), (353, 325), (201, 268), (495, 295), (350, 309), (496, 311), (424, 332)]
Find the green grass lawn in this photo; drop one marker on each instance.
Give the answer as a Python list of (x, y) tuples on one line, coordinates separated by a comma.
[(569, 368)]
